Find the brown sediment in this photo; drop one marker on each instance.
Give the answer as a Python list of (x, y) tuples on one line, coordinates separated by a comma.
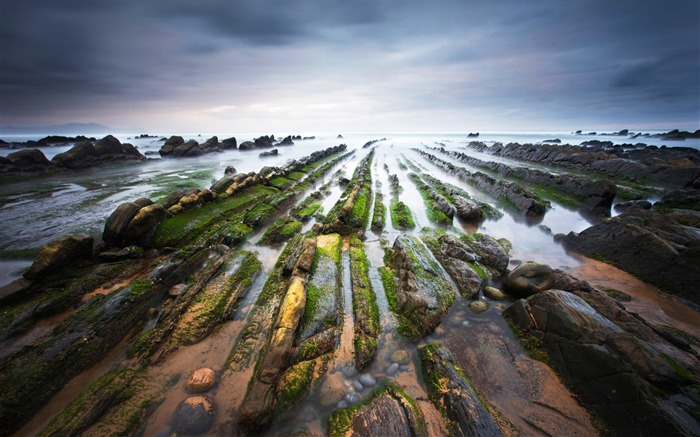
[(117, 283), (651, 304)]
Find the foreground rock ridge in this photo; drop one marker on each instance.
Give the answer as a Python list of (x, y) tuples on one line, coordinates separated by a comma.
[(284, 301)]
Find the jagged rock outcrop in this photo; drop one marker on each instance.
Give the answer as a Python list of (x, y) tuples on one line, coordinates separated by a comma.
[(259, 401), (608, 368), (675, 166), (273, 152), (60, 254), (423, 293), (389, 413), (652, 246), (27, 160), (453, 395), (471, 261), (105, 151)]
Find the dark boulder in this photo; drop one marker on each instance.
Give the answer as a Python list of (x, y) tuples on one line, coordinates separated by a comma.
[(388, 414), (145, 221), (170, 145), (194, 415), (688, 198), (229, 143), (60, 254), (189, 149), (632, 205), (105, 151), (27, 160), (115, 231), (287, 141), (273, 152)]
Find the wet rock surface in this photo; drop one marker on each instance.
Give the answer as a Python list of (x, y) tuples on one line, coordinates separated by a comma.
[(194, 415), (613, 371), (60, 254), (170, 289), (454, 395), (650, 245)]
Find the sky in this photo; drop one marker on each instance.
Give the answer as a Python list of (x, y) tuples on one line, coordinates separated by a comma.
[(351, 65)]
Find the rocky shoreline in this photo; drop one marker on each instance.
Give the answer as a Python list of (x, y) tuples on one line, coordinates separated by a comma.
[(321, 322)]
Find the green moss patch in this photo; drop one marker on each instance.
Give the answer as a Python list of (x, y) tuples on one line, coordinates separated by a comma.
[(401, 216)]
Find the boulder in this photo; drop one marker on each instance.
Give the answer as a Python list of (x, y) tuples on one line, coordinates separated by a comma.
[(194, 415), (222, 184), (189, 149), (211, 145), (229, 143), (230, 170), (529, 278), (82, 155), (59, 254), (145, 221), (467, 209), (688, 198), (107, 150), (29, 160), (201, 380), (273, 152), (287, 141), (115, 231)]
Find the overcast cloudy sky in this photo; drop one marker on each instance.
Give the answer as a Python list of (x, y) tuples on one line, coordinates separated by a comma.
[(313, 65)]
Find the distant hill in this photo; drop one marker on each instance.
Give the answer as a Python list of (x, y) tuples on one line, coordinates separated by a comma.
[(60, 129)]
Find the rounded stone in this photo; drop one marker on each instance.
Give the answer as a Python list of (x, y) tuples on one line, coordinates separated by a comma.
[(352, 398), (392, 369), (357, 385), (341, 405), (177, 290), (494, 293), (368, 380), (400, 356), (194, 415), (201, 380), (478, 306)]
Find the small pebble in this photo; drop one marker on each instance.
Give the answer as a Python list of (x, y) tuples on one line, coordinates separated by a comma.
[(352, 398), (465, 323), (368, 380), (400, 356), (392, 369), (478, 306), (358, 385), (405, 368), (342, 404)]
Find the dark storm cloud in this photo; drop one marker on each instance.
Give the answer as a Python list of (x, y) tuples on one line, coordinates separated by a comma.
[(583, 60)]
